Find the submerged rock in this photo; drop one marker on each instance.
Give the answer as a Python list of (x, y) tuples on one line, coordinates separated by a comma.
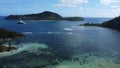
[(4, 48)]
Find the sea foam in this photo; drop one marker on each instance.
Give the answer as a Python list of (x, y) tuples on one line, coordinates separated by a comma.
[(29, 47), (68, 29), (27, 32)]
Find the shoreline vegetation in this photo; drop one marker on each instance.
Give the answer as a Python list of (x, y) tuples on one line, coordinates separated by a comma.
[(89, 24), (112, 24), (8, 36), (46, 15)]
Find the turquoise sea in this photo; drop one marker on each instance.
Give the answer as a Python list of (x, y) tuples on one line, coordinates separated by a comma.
[(62, 44)]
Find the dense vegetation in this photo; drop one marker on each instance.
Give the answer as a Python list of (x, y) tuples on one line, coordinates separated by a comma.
[(113, 24), (7, 35), (47, 15), (90, 24), (74, 18)]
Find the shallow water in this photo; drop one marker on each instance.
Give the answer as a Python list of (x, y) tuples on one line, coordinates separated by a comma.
[(62, 44)]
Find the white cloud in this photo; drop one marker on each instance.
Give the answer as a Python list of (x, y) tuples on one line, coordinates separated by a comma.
[(81, 8), (115, 9), (108, 2), (114, 6), (71, 3)]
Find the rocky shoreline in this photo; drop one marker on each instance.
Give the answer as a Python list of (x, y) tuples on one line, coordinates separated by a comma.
[(8, 48), (112, 24), (6, 36)]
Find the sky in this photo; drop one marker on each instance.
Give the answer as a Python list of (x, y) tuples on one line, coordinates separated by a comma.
[(82, 8)]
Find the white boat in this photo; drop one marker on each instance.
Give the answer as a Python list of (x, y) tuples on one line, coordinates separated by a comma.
[(21, 22)]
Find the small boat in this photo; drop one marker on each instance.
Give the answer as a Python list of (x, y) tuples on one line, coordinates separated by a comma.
[(21, 22)]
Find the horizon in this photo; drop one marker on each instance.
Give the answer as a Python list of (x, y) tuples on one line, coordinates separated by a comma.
[(57, 13), (66, 8), (65, 16)]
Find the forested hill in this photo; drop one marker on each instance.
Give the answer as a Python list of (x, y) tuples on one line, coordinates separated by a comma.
[(114, 23), (47, 15)]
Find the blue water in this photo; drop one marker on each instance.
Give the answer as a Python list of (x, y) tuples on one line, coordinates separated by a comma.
[(64, 39)]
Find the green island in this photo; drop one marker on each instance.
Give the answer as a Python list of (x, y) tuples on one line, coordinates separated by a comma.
[(46, 15), (112, 24), (74, 18), (7, 36)]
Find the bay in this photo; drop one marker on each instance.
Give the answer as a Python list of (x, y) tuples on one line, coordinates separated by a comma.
[(62, 44)]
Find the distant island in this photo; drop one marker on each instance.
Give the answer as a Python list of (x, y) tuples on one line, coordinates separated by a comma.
[(113, 24), (74, 18), (7, 36), (47, 15)]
